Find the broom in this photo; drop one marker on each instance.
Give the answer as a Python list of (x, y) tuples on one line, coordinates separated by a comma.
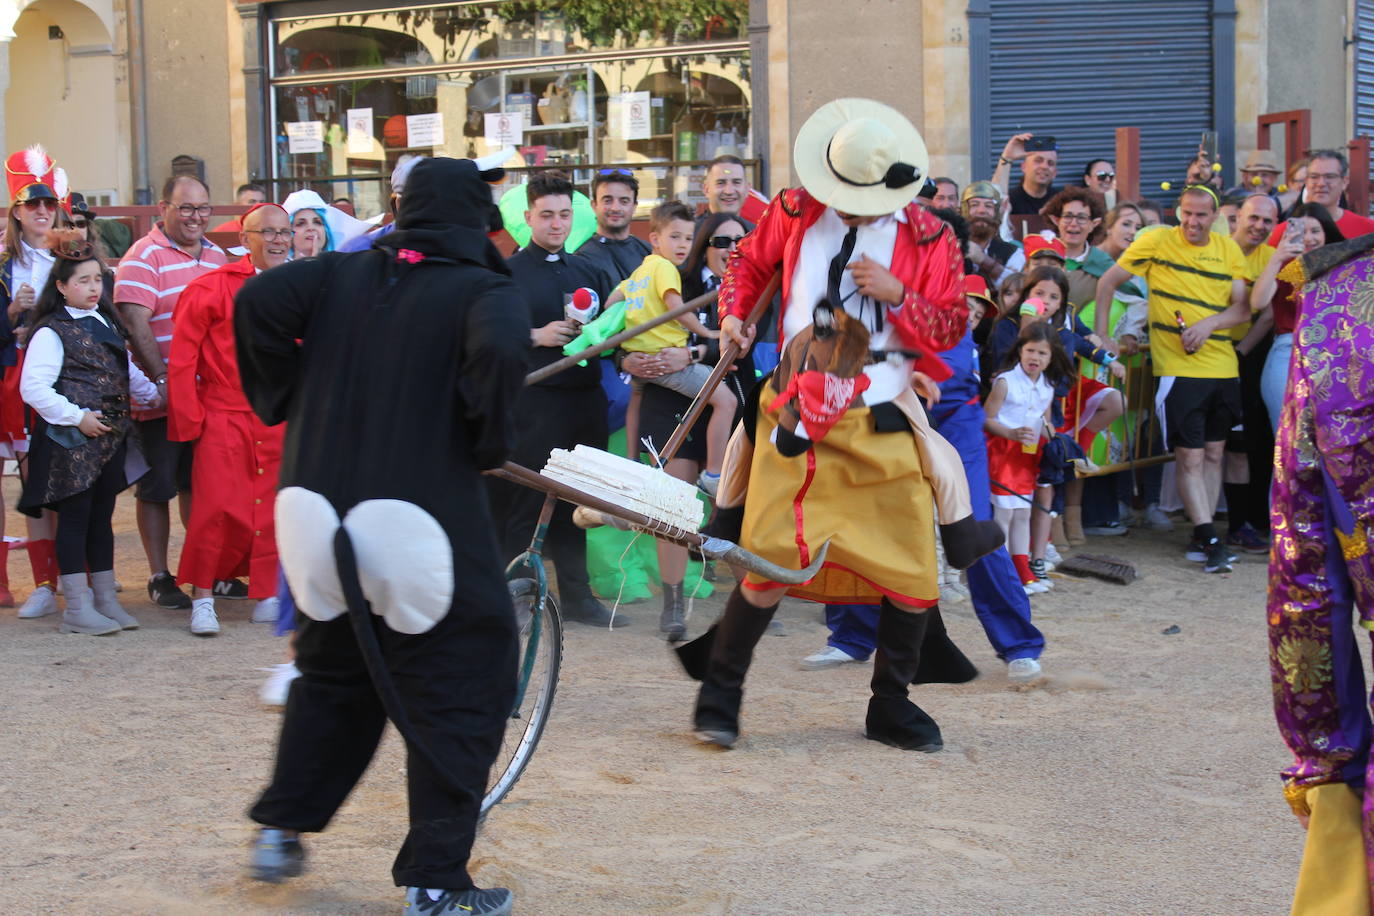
[(1100, 566)]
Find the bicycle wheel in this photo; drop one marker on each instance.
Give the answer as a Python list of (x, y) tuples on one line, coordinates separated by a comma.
[(541, 652)]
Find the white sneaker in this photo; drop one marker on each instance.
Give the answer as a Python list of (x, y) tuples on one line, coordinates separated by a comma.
[(1052, 556), (278, 684), (204, 621), (1023, 670), (829, 657), (267, 610), (951, 595), (1156, 519), (1036, 588), (40, 604)]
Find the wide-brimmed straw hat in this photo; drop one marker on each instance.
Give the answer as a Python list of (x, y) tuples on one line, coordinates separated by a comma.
[(861, 157), (1262, 160)]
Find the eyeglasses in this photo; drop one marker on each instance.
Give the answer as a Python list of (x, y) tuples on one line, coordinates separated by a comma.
[(46, 203), (1075, 217), (1332, 177), (625, 172), (271, 235), (725, 241), (187, 211), (1104, 176)]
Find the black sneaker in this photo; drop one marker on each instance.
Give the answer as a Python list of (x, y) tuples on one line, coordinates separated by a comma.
[(1219, 559), (163, 591), (589, 610), (1041, 570), (491, 901), (1197, 552), (232, 589), (276, 855)]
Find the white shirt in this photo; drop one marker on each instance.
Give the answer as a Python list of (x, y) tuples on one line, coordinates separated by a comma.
[(812, 276), (43, 364), (1026, 400), (32, 267)]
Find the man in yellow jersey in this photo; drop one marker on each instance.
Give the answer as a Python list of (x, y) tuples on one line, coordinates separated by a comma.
[(1197, 291), (1250, 446)]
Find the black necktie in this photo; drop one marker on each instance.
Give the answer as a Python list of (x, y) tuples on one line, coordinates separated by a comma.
[(838, 264)]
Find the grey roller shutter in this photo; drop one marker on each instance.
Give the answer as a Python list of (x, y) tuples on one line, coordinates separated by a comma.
[(1079, 69), (1364, 67)]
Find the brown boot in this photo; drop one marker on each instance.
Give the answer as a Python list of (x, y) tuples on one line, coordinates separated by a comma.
[(1073, 526), (1057, 536)]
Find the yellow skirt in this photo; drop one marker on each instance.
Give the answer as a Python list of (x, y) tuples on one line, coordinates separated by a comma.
[(1334, 878), (862, 490)]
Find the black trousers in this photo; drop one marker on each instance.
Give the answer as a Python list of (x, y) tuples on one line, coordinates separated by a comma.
[(457, 684), (1259, 436), (549, 418), (85, 535)]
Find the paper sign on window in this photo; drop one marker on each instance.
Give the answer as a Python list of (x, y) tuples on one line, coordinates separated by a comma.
[(304, 137), (634, 115), (359, 131), (425, 130), (505, 128)]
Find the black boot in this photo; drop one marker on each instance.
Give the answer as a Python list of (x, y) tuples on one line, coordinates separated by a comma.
[(968, 540), (942, 662), (732, 649), (671, 622), (892, 718)]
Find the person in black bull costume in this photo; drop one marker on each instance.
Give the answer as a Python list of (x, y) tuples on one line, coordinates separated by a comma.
[(562, 411), (396, 371)]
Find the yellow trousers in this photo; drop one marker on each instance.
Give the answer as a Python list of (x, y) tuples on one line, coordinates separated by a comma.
[(1334, 878)]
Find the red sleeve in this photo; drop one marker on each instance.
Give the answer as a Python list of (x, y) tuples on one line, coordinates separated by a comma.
[(758, 256), (1277, 234), (933, 315), (190, 329)]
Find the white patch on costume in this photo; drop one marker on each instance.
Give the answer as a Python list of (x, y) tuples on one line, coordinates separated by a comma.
[(838, 393), (306, 523), (405, 563)]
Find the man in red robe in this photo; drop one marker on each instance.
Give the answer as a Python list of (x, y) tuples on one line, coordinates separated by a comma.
[(237, 456)]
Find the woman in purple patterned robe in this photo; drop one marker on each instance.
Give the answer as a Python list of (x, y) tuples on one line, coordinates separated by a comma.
[(1321, 570)]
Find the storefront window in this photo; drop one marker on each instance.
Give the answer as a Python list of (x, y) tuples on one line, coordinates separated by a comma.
[(353, 92)]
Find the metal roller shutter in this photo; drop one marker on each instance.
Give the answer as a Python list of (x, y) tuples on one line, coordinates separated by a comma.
[(1079, 70), (1364, 67)]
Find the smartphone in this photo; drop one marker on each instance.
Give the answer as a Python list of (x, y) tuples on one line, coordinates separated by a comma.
[(1040, 144), (1208, 146), (1295, 230)]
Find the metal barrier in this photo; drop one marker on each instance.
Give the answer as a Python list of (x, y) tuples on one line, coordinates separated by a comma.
[(1137, 394)]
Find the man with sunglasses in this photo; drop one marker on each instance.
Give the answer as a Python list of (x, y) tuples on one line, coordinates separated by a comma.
[(614, 249), (148, 283)]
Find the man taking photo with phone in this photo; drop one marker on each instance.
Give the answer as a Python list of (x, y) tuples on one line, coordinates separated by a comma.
[(1039, 168)]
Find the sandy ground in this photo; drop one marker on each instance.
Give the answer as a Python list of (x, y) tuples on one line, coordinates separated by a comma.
[(1140, 778)]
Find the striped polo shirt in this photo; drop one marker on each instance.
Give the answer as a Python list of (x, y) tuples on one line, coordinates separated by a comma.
[(152, 273)]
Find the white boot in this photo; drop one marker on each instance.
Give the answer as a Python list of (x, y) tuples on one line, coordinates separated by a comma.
[(81, 615), (103, 587)]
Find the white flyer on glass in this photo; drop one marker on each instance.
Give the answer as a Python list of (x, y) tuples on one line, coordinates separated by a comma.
[(634, 115), (425, 130), (505, 128), (304, 137), (359, 131)]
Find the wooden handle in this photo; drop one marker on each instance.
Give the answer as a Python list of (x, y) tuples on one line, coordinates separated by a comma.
[(728, 354), (610, 343)]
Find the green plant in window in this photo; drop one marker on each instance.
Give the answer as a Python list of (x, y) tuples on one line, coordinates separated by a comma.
[(603, 22)]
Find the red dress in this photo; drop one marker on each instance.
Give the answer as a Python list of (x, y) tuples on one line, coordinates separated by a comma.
[(237, 456)]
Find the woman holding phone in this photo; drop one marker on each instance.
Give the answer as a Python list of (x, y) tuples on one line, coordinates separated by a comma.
[(1309, 226)]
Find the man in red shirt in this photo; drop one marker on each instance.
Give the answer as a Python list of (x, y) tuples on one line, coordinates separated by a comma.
[(1328, 175), (238, 457)]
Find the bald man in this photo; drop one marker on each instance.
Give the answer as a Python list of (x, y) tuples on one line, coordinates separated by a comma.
[(230, 532)]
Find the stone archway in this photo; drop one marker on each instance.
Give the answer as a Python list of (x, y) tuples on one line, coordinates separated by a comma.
[(63, 89)]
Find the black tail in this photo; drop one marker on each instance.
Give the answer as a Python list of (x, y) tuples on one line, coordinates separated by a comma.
[(361, 616)]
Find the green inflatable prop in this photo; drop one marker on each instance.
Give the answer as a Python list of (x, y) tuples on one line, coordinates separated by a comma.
[(514, 203)]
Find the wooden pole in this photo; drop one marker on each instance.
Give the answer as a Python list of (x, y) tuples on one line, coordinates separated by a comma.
[(728, 354), (1358, 190), (1127, 163), (610, 343)]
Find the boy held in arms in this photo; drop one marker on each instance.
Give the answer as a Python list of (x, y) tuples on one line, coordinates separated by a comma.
[(655, 288)]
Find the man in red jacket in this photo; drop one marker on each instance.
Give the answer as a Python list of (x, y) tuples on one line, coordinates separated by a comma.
[(237, 455), (854, 463)]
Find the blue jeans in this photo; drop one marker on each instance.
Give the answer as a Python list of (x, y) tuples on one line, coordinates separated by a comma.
[(1274, 378)]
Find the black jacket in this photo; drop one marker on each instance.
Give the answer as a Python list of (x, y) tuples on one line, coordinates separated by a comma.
[(396, 369)]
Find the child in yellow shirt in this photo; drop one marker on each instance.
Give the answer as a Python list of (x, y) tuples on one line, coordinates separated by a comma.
[(654, 288)]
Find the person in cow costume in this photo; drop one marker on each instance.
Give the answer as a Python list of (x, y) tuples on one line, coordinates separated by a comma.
[(836, 448), (396, 371)]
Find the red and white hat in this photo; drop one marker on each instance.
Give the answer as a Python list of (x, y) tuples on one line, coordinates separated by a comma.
[(977, 287), (1040, 245), (32, 175)]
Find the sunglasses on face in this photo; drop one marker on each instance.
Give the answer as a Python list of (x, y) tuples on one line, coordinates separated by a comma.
[(42, 202), (725, 241), (79, 223), (625, 172), (1104, 176)]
